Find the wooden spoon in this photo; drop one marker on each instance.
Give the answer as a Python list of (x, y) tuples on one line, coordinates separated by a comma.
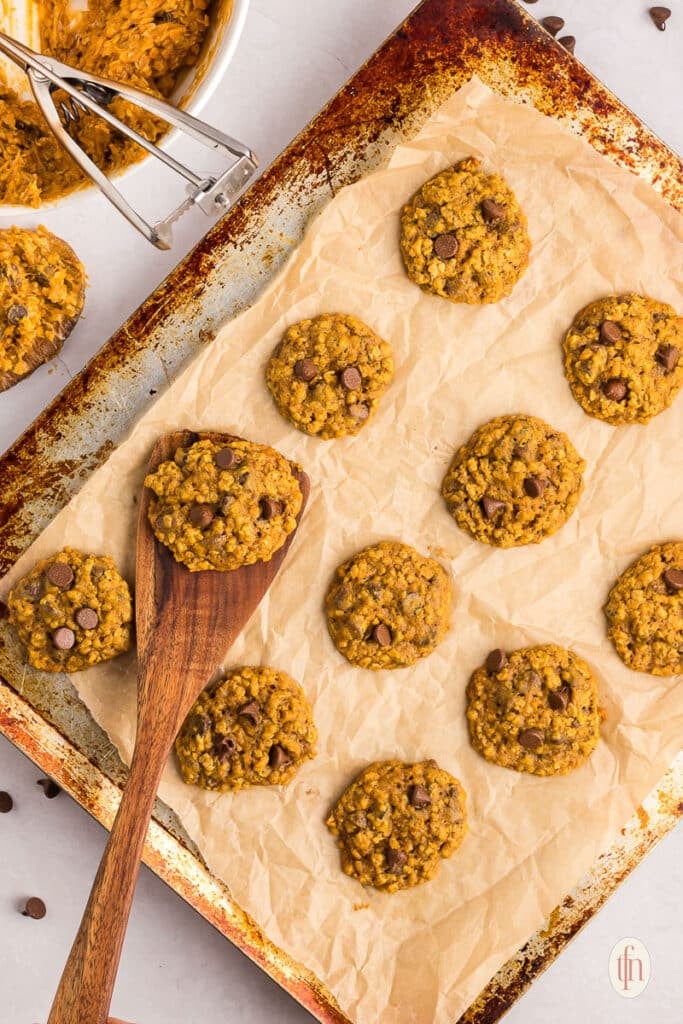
[(185, 623)]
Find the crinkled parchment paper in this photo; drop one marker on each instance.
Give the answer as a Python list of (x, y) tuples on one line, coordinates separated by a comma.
[(422, 955)]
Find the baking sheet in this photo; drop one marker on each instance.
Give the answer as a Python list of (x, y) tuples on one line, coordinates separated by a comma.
[(591, 225)]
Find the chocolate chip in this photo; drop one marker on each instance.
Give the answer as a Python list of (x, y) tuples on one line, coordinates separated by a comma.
[(201, 516), (242, 479), (445, 246), (419, 797), (49, 787), (226, 458), (251, 711), (278, 757), (569, 42), (350, 378), (552, 24), (558, 700), (674, 579), (16, 313), (615, 389), (35, 908), (496, 660), (492, 211), (63, 638), (382, 635), (61, 575), (534, 486), (224, 747), (306, 370), (660, 16), (490, 506), (359, 411), (225, 502), (531, 739), (6, 802), (610, 333), (87, 618), (271, 508), (667, 356), (395, 859)]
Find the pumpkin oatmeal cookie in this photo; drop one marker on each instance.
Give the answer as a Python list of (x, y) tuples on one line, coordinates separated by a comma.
[(253, 728), (388, 606), (328, 374), (396, 822), (71, 611), (42, 290), (516, 481), (535, 710), (644, 612), (464, 236), (218, 506), (622, 358)]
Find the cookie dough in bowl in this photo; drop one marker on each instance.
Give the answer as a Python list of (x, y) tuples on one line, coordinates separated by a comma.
[(221, 506), (622, 358), (644, 612), (516, 481), (388, 606), (328, 374), (534, 710), (464, 236), (71, 611), (396, 822), (253, 728)]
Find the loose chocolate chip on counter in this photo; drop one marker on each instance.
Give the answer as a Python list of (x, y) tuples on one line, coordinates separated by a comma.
[(278, 757), (63, 638), (610, 333), (490, 506), (16, 313), (201, 516), (306, 370), (531, 739), (615, 389), (552, 24), (6, 803), (492, 211), (558, 700), (382, 635), (226, 458), (350, 378), (496, 660), (534, 486), (668, 356), (61, 575), (49, 787), (674, 579), (446, 246), (395, 859), (251, 711), (270, 508), (569, 42), (87, 618), (34, 908), (418, 797), (660, 16), (359, 411)]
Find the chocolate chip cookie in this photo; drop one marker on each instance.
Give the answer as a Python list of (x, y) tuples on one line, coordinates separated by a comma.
[(396, 822), (516, 481), (328, 374), (71, 611), (622, 358), (535, 710), (253, 728), (464, 236), (221, 506), (388, 606), (644, 612)]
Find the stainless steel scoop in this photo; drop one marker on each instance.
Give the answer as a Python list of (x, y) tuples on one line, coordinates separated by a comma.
[(211, 194)]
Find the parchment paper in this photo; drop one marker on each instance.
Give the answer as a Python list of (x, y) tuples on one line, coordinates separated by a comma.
[(422, 955)]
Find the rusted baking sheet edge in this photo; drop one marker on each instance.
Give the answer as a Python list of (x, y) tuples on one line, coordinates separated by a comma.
[(437, 50)]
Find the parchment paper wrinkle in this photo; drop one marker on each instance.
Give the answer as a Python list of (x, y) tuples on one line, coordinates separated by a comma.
[(423, 955)]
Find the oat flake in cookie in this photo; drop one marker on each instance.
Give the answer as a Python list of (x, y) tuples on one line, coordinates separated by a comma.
[(253, 728), (328, 374), (622, 358), (388, 606), (396, 822), (535, 710), (464, 236), (645, 612), (71, 611), (220, 506), (516, 481)]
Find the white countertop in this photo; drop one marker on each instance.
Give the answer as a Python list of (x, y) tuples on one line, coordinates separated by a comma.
[(175, 967)]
